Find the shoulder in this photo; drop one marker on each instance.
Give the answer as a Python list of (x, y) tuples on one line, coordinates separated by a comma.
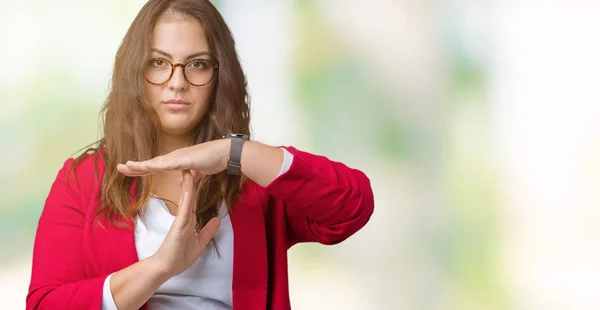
[(74, 185), (83, 170)]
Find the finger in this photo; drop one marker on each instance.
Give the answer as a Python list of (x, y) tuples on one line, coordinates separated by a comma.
[(208, 232), (170, 161), (183, 211), (187, 185), (126, 170), (156, 164), (197, 175), (132, 171)]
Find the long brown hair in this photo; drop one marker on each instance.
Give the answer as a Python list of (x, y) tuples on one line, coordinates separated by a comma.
[(131, 127)]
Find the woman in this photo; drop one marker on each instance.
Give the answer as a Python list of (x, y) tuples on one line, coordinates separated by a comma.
[(175, 130)]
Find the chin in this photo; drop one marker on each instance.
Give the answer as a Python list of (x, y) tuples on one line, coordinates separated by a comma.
[(176, 125), (177, 130)]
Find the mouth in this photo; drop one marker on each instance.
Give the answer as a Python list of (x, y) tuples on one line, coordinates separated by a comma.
[(176, 104)]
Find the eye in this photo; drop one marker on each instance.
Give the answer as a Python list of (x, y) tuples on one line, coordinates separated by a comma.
[(157, 62), (199, 64)]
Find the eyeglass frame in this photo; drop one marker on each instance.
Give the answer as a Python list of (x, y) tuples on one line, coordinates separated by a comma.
[(182, 65)]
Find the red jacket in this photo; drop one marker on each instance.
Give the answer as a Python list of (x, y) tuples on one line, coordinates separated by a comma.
[(316, 200)]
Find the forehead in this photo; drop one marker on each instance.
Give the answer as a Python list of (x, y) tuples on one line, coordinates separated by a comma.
[(179, 37)]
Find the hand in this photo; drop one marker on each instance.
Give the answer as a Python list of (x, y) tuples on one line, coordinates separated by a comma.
[(182, 245), (203, 159)]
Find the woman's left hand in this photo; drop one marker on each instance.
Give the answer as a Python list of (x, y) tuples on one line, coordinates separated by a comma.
[(204, 159)]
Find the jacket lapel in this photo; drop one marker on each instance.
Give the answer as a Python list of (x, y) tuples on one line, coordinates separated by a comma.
[(118, 250), (250, 260), (111, 245)]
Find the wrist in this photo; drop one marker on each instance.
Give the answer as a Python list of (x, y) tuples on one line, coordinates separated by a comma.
[(232, 154), (225, 151), (159, 270)]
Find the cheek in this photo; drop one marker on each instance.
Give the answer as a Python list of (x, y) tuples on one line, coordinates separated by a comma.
[(153, 94), (202, 96)]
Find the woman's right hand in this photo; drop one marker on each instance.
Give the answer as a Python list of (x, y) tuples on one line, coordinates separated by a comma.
[(182, 245)]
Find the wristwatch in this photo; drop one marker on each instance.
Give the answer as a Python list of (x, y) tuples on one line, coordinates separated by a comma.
[(234, 165)]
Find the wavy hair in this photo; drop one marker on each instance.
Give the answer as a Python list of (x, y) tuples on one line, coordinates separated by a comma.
[(131, 127)]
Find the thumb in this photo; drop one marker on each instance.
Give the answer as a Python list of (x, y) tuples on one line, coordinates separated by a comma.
[(208, 232)]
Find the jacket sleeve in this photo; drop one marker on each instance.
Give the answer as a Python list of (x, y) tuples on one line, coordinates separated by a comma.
[(58, 278), (325, 201)]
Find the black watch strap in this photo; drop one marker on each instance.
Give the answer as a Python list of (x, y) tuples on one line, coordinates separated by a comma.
[(234, 165)]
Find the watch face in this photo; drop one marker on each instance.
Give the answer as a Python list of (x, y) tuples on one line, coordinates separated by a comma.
[(237, 135)]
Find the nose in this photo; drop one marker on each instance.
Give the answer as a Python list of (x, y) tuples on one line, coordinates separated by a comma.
[(178, 81)]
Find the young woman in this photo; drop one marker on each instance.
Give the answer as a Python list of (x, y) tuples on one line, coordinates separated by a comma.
[(176, 126)]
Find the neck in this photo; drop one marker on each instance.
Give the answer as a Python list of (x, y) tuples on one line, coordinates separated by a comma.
[(171, 143)]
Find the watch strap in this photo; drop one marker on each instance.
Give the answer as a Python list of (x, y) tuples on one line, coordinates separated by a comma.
[(234, 165)]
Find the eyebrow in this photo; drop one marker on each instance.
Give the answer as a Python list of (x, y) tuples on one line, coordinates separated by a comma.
[(202, 53)]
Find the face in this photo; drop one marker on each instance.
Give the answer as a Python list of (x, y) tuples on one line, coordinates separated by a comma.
[(179, 104)]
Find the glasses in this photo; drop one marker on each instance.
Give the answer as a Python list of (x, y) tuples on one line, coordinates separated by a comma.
[(197, 72)]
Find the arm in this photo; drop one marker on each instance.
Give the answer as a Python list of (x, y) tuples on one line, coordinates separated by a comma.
[(58, 279), (326, 201), (131, 287), (261, 163)]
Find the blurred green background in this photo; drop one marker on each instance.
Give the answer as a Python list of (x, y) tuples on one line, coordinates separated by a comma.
[(477, 123)]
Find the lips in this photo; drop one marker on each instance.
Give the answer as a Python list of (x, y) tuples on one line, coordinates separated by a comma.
[(176, 104), (177, 101)]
